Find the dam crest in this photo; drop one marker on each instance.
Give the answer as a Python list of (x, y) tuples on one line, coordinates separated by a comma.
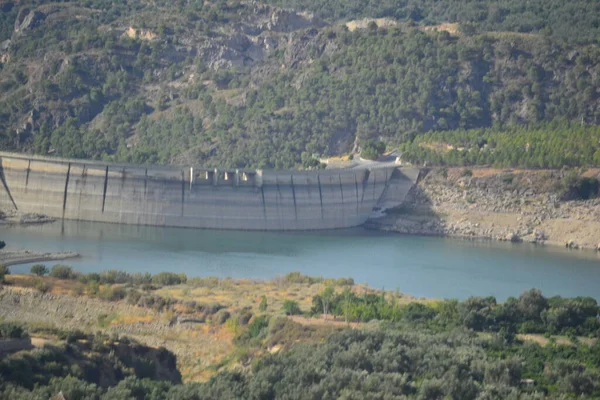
[(196, 197)]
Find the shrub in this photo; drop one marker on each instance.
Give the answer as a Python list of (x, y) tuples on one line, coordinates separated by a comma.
[(60, 271), (344, 282), (77, 290), (112, 293), (297, 277), (11, 330), (263, 304), (133, 296), (42, 286), (290, 307), (114, 276), (467, 172), (92, 288), (244, 317), (93, 277), (39, 270), (3, 272), (222, 316), (417, 312), (169, 279), (580, 188), (371, 149), (257, 325), (2, 244)]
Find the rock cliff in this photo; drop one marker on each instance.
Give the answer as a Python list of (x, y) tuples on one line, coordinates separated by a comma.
[(505, 205)]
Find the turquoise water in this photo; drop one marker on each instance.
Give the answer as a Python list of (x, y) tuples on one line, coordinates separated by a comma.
[(420, 266)]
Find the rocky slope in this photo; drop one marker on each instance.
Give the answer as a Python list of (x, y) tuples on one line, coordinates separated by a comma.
[(245, 84), (508, 205)]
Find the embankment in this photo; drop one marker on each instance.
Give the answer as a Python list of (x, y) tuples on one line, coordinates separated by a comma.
[(195, 197), (10, 256), (507, 205)]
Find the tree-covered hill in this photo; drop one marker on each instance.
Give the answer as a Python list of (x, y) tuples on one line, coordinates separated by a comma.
[(577, 21), (230, 83)]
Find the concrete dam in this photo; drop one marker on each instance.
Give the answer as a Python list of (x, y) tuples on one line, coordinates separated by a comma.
[(194, 197)]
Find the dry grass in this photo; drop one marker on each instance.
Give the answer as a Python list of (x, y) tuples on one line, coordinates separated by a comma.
[(364, 23), (244, 293), (542, 340), (202, 349), (452, 29), (57, 286)]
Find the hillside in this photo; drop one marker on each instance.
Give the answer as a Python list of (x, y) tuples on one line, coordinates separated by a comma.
[(254, 344), (246, 84)]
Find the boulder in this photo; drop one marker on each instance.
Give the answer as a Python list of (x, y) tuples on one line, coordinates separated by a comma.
[(539, 235), (571, 244), (513, 237)]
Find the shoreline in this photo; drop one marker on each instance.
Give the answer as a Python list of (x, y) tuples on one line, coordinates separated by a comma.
[(496, 205), (549, 244), (10, 256)]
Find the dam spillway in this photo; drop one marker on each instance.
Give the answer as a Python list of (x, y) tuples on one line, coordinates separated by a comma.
[(195, 197)]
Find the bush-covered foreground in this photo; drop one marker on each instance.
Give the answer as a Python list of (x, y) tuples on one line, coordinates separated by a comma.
[(387, 362), (530, 313), (440, 350)]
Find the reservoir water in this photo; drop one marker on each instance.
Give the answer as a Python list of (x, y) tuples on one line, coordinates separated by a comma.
[(419, 266)]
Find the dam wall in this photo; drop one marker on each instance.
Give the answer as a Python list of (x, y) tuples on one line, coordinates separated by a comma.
[(195, 197)]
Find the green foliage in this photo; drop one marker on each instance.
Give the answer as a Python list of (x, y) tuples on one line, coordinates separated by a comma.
[(297, 277), (263, 304), (41, 285), (425, 355), (257, 325), (394, 84), (572, 20), (39, 270), (81, 368), (548, 146), (291, 307), (60, 271), (10, 330), (580, 188), (372, 150), (169, 279), (4, 270), (256, 330), (531, 313), (112, 293)]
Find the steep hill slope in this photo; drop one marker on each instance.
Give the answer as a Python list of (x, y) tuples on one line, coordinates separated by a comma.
[(244, 84)]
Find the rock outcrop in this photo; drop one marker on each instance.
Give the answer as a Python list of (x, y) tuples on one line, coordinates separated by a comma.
[(506, 205), (28, 19)]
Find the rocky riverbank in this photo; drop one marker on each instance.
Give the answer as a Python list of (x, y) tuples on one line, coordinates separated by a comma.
[(506, 205)]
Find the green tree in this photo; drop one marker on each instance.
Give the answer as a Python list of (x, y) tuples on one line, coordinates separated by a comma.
[(263, 304), (4, 270), (39, 270), (290, 307), (60, 271)]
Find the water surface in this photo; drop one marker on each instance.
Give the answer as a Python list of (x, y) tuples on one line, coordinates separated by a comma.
[(420, 266)]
